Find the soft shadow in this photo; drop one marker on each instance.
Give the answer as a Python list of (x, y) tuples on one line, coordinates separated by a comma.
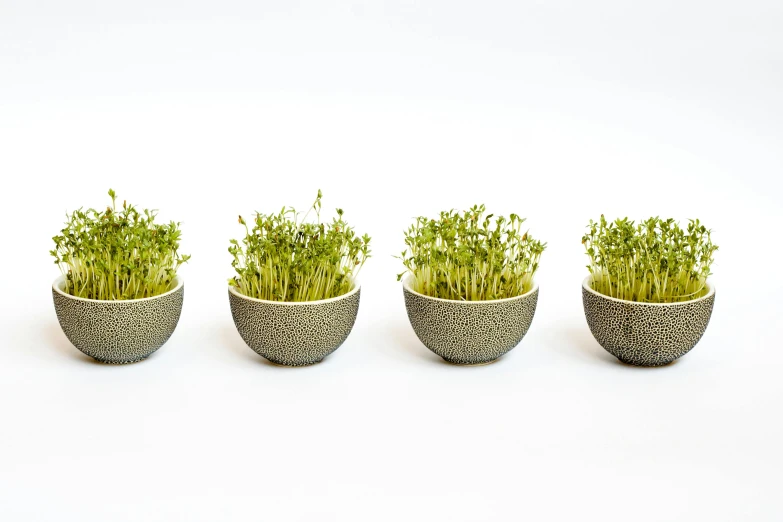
[(641, 368), (588, 349), (497, 362), (230, 338), (56, 338), (581, 343), (404, 341)]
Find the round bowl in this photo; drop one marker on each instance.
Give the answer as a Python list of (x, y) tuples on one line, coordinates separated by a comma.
[(294, 333), (469, 332), (118, 332), (646, 334)]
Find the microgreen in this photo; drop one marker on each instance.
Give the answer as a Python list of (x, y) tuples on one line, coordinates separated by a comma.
[(468, 257), (283, 258), (655, 261), (117, 254)]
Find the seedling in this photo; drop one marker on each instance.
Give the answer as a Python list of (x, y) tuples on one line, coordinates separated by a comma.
[(117, 254), (655, 261), (283, 258), (468, 257)]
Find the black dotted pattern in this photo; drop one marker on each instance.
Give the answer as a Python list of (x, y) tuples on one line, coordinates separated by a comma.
[(644, 334), (119, 332), (294, 334), (470, 332)]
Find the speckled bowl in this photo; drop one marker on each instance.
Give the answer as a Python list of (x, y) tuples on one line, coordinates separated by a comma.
[(118, 332), (469, 332), (646, 334), (294, 334)]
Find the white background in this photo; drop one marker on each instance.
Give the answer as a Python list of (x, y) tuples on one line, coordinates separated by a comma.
[(558, 111)]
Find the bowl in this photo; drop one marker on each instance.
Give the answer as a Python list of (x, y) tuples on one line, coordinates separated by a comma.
[(469, 332), (294, 333), (646, 334), (122, 331)]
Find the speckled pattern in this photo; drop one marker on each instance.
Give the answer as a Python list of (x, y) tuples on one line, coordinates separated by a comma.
[(118, 332), (294, 334), (470, 332), (644, 334)]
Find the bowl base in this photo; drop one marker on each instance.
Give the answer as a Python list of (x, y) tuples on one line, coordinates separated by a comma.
[(283, 365), (120, 363), (483, 363), (646, 365)]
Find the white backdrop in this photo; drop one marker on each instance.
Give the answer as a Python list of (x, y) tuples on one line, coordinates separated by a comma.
[(558, 111)]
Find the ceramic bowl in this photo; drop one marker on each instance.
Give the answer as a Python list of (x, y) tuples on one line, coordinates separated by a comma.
[(469, 332), (646, 334), (118, 332), (294, 333)]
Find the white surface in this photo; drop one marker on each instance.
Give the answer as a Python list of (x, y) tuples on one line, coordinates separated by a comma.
[(558, 111)]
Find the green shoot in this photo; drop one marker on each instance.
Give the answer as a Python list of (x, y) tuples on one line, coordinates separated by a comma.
[(467, 257), (653, 262), (283, 258), (117, 254)]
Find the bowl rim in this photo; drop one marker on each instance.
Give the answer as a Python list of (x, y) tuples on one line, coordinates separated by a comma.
[(710, 293), (406, 285), (356, 287), (180, 282)]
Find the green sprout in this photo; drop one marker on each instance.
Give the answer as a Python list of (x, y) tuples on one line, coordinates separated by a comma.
[(117, 254), (467, 257), (283, 258), (655, 261)]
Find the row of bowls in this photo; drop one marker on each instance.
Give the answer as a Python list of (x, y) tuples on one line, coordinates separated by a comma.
[(461, 332)]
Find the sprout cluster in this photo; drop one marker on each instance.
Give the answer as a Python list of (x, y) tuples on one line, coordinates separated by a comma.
[(284, 259), (655, 261), (117, 254), (467, 256)]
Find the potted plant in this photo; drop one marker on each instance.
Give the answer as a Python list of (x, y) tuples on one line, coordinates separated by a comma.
[(469, 289), (295, 295), (647, 299), (119, 297)]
